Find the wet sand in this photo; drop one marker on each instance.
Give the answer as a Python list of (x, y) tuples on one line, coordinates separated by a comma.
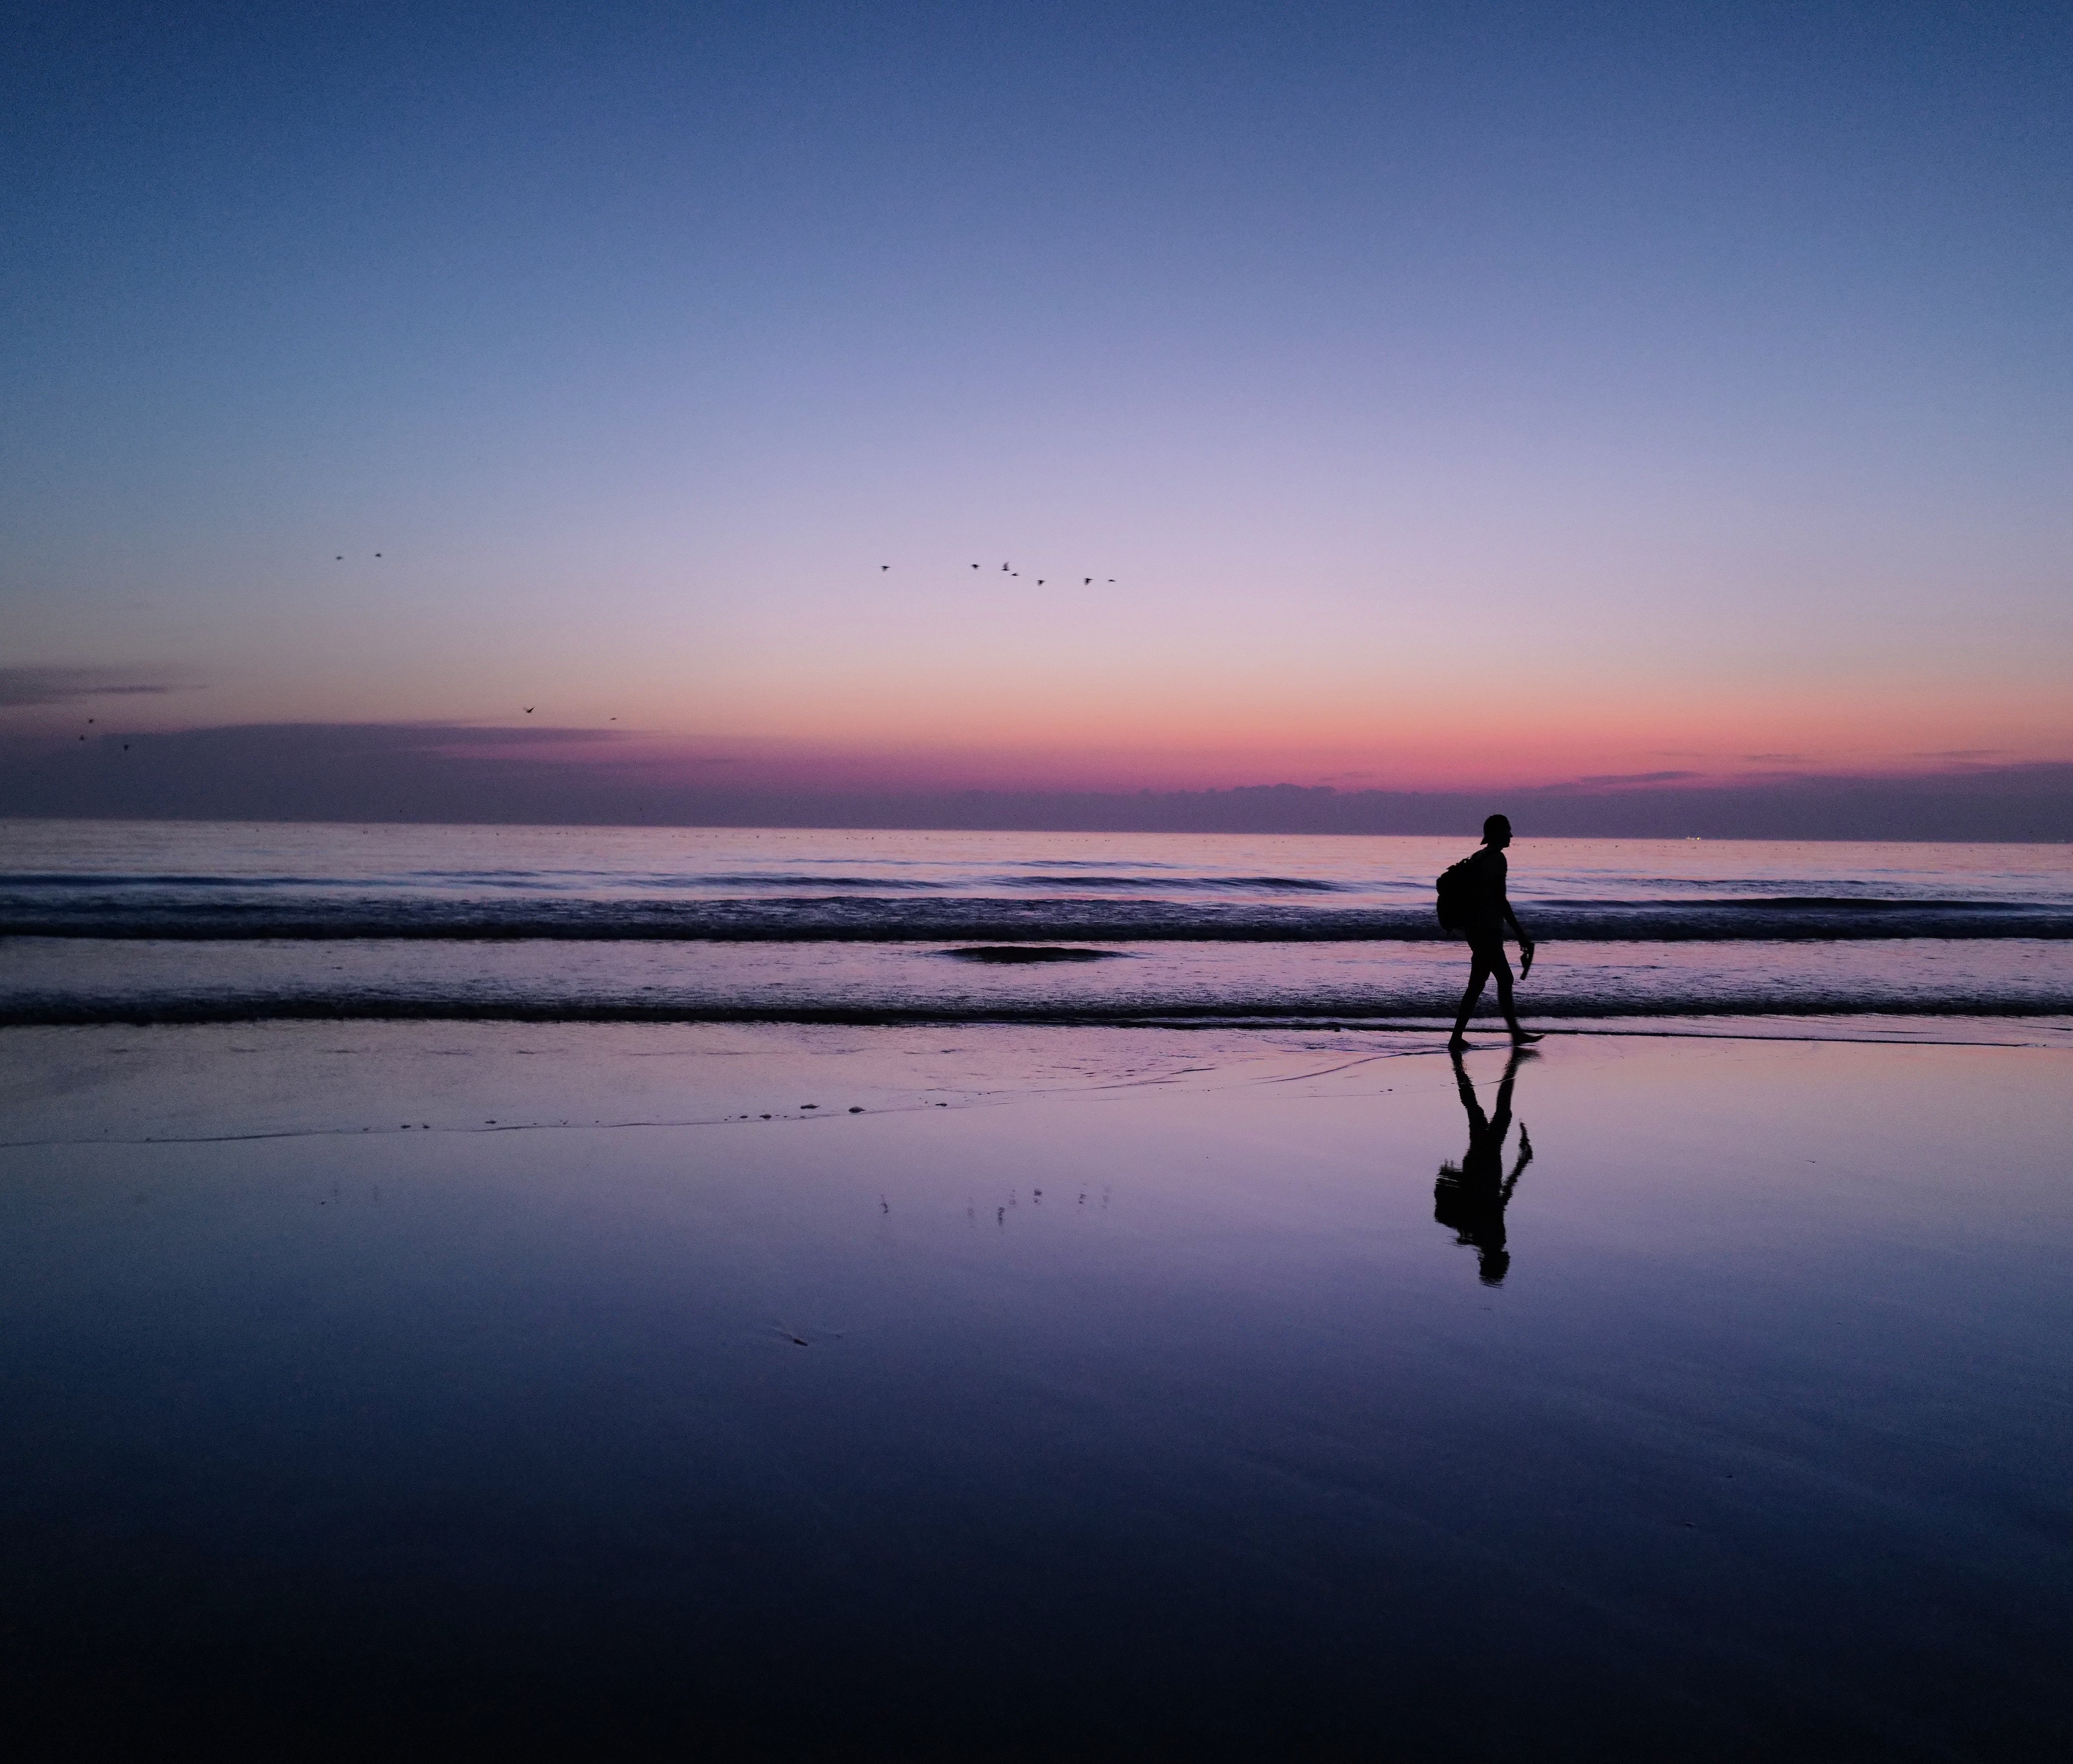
[(1092, 1392)]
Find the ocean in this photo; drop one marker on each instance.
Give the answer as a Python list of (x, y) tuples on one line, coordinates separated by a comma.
[(173, 921)]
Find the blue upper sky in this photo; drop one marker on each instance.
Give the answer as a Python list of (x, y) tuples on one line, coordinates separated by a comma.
[(1451, 392)]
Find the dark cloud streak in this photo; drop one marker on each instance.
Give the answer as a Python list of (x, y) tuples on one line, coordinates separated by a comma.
[(1636, 778), (435, 772), (21, 686)]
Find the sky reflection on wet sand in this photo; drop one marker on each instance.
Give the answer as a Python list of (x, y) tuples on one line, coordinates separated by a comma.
[(1100, 1391)]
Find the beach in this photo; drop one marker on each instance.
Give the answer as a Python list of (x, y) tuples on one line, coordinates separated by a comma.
[(1036, 884), (1040, 1391)]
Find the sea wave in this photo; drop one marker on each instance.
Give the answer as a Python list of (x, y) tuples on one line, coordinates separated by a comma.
[(891, 918), (1187, 884)]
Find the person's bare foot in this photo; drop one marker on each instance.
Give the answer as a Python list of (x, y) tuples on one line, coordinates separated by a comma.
[(1457, 1041), (1525, 1038)]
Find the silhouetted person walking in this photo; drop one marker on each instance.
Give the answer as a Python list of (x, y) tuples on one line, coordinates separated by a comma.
[(1474, 904), (1470, 1197)]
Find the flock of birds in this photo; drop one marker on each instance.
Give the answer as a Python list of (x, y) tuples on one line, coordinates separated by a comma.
[(125, 745), (1013, 574), (1085, 581)]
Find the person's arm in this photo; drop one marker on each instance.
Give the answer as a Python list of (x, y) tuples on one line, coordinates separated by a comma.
[(1510, 918), (1525, 1155)]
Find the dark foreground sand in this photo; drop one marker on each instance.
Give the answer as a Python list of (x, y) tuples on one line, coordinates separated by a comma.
[(1133, 1403)]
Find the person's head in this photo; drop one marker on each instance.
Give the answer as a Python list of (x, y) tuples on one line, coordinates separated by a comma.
[(1497, 831)]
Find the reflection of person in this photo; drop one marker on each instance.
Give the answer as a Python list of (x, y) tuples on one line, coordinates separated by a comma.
[(1470, 1197), (1485, 912)]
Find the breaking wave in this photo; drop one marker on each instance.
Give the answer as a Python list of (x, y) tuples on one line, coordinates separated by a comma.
[(886, 918), (74, 980)]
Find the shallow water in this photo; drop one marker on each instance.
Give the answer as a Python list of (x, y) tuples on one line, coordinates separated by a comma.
[(1121, 1392), (64, 979), (139, 921)]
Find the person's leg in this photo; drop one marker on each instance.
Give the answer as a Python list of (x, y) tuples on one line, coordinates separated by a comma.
[(1501, 1115), (1501, 966), (1502, 969), (1479, 974), (1477, 1124)]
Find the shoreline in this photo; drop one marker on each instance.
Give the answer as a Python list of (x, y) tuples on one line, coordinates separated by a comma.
[(1564, 1022), (49, 981)]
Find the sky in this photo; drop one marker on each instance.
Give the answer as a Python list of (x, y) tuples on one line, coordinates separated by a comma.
[(1049, 396)]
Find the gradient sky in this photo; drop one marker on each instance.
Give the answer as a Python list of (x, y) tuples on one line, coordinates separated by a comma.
[(1455, 394)]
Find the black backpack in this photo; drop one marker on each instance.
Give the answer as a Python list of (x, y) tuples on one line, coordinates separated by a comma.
[(1457, 886)]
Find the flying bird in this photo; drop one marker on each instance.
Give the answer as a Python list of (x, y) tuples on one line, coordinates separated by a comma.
[(1087, 581), (529, 710), (885, 566)]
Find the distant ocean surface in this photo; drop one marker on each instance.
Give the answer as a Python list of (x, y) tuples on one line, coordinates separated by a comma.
[(149, 922)]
